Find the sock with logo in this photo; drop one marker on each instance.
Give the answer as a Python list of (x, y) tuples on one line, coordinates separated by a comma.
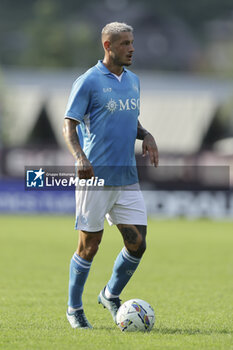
[(123, 269), (79, 270)]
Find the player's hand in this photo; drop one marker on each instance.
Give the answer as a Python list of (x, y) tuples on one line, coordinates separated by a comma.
[(149, 147), (85, 170)]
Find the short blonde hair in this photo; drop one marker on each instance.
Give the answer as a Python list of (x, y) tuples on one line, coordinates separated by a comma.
[(114, 28)]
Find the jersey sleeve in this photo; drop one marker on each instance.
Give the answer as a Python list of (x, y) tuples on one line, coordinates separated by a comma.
[(78, 100), (139, 90)]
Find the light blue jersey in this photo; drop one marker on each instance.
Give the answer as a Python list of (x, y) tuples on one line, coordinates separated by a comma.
[(107, 110)]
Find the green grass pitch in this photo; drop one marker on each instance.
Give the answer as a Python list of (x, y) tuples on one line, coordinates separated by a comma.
[(186, 275)]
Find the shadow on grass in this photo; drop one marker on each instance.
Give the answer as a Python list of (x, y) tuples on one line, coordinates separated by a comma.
[(191, 331), (106, 328), (166, 330)]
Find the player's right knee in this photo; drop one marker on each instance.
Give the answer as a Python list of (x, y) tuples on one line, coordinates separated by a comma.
[(91, 247), (91, 251)]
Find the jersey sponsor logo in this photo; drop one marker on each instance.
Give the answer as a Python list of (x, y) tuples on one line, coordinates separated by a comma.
[(129, 104), (124, 105), (111, 106), (107, 89)]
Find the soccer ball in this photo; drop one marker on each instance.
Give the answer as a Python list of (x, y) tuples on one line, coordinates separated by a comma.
[(135, 315)]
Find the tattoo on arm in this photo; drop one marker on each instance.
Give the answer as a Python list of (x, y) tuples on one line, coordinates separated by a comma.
[(141, 132), (72, 140)]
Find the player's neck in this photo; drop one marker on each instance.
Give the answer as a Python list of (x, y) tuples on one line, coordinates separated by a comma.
[(112, 67)]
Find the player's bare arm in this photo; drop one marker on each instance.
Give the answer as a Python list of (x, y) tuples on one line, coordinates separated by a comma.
[(85, 170), (148, 145)]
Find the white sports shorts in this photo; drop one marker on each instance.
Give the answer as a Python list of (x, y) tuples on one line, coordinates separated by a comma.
[(119, 205)]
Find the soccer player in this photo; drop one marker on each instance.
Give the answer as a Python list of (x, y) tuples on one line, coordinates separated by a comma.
[(102, 116)]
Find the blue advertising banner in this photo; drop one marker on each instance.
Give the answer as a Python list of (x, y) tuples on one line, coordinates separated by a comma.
[(15, 199)]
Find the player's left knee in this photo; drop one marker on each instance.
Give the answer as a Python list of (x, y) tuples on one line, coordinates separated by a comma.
[(138, 250), (142, 242), (134, 238), (141, 249)]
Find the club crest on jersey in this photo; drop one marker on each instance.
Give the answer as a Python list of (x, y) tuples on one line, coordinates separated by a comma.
[(126, 105)]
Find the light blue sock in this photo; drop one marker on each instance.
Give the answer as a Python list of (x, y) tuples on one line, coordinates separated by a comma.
[(123, 269), (79, 269)]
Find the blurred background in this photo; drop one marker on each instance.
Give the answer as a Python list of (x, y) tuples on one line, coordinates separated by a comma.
[(184, 58)]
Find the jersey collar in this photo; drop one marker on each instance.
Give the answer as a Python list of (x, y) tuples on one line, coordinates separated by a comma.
[(104, 69)]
